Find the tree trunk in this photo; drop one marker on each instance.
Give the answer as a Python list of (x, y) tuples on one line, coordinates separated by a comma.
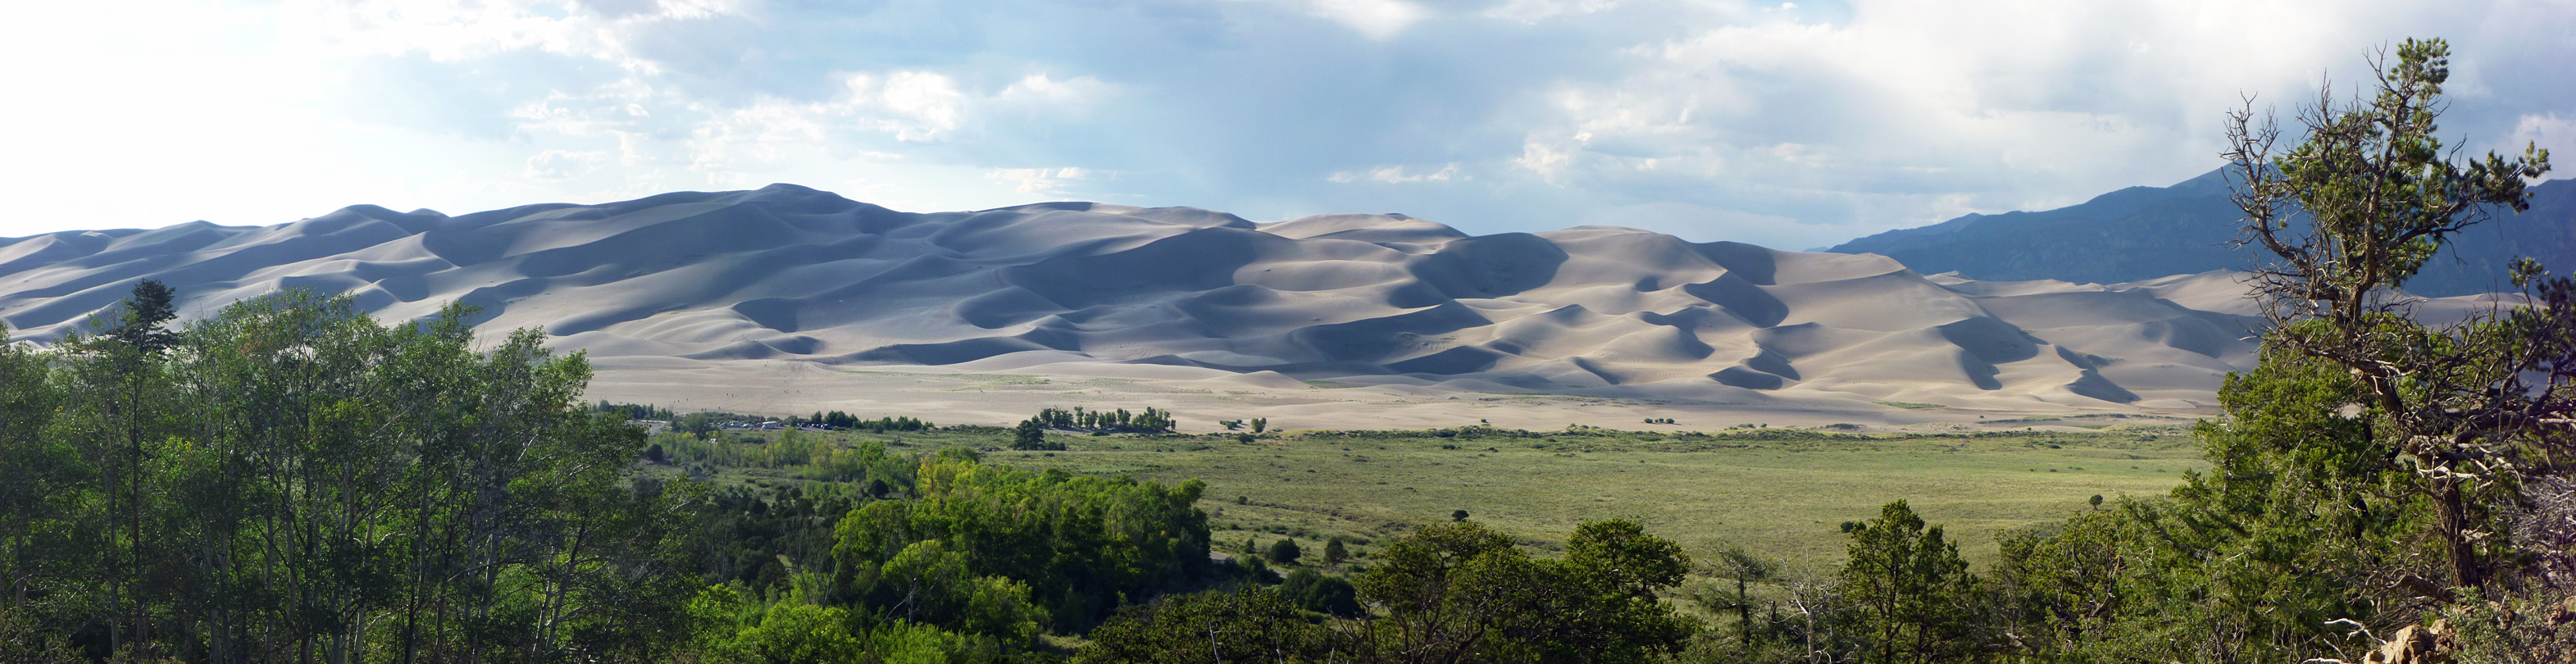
[(2451, 506)]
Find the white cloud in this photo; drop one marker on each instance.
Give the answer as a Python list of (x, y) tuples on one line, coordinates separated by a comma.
[(1040, 94), (917, 105), (2546, 131), (2005, 104), (1701, 223), (1848, 118), (1534, 11), (1039, 181), (1549, 160), (1379, 19), (564, 164), (1395, 175), (460, 30)]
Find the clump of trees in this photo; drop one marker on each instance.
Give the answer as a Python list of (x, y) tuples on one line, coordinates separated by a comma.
[(1030, 435), (1152, 420), (1453, 592), (1077, 543), (840, 420), (290, 480), (634, 411)]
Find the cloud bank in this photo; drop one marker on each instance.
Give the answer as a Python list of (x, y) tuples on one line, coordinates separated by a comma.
[(1787, 124)]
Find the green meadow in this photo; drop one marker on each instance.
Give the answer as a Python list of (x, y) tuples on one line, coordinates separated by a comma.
[(1781, 493)]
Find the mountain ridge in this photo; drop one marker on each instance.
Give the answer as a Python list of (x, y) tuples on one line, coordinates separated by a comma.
[(2147, 232)]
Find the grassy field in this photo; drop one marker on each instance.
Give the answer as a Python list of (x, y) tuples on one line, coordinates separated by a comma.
[(1777, 492)]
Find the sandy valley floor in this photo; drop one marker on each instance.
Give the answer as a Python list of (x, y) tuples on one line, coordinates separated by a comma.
[(1200, 397)]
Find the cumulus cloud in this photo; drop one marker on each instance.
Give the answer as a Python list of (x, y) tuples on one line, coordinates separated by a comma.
[(564, 164), (2546, 131), (1534, 11), (1394, 175), (1379, 19), (1800, 124), (1040, 181)]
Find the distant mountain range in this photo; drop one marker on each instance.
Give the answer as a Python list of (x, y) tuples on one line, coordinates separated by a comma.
[(791, 274), (2148, 232)]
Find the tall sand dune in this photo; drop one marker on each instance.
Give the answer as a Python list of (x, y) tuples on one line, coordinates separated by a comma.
[(1201, 299)]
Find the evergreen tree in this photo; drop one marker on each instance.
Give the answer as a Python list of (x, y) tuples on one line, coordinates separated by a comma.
[(2351, 213), (1030, 435), (147, 313), (1913, 594)]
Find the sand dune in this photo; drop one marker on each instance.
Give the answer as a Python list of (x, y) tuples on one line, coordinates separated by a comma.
[(1197, 299)]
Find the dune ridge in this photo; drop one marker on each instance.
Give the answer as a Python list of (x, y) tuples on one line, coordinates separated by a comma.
[(788, 273)]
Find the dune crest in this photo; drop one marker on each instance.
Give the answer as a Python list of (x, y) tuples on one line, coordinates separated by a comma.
[(787, 273)]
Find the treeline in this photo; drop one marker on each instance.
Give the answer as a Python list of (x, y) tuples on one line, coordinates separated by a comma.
[(708, 422), (290, 481), (634, 411), (840, 420), (1152, 420), (866, 463)]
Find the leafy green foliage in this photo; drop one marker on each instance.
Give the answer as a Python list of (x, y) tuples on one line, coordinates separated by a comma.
[(2364, 470), (634, 411), (1912, 594), (1460, 592), (1453, 592), (143, 323), (2378, 196), (1079, 544), (1284, 552), (288, 475), (1312, 591), (738, 629), (1031, 435), (1252, 624), (1152, 420)]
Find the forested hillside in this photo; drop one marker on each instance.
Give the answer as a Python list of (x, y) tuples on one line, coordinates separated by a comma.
[(2142, 233)]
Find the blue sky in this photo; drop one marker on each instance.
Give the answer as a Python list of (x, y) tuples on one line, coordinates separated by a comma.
[(1791, 125)]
